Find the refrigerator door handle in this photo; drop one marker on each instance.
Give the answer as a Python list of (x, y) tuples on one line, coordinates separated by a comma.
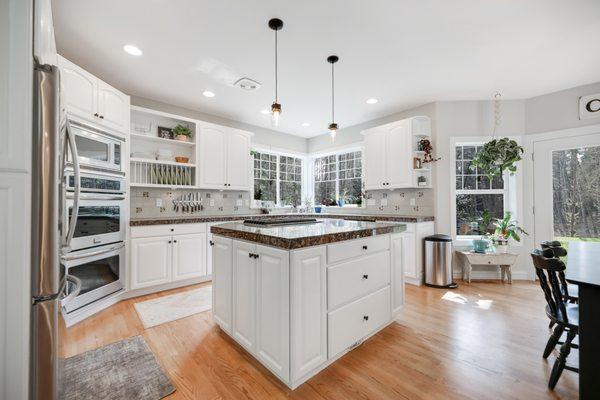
[(74, 293), (76, 187)]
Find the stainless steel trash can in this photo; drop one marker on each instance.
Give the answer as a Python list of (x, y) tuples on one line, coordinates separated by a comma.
[(438, 261)]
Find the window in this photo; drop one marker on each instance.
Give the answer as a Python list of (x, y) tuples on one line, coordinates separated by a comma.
[(475, 197), (277, 178), (338, 176)]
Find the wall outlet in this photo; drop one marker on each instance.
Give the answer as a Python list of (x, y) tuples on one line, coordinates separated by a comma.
[(239, 202), (159, 203), (383, 202), (413, 201), (212, 202), (247, 203)]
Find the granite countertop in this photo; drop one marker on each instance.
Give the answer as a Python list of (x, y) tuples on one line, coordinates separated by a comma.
[(290, 237), (224, 218)]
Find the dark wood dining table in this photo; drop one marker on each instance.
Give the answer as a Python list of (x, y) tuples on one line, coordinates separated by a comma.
[(583, 270)]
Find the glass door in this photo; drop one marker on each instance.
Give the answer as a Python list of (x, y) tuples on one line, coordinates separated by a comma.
[(567, 189)]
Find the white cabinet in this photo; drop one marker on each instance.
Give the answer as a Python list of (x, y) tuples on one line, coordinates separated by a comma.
[(189, 256), (412, 250), (308, 285), (244, 294), (389, 151), (273, 310), (88, 97), (167, 253), (224, 155), (397, 278), (222, 255), (151, 261)]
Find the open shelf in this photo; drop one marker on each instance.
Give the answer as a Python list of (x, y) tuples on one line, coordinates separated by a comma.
[(157, 139), (155, 185), (162, 162)]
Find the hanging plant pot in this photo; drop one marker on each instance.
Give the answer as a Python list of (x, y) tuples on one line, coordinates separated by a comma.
[(497, 156)]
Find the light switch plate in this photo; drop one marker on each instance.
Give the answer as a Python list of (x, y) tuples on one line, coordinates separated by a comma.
[(247, 203), (212, 202), (159, 203), (370, 202), (413, 201), (239, 202), (383, 202)]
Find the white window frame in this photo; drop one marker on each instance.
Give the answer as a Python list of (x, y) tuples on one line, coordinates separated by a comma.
[(512, 188), (279, 153), (336, 153)]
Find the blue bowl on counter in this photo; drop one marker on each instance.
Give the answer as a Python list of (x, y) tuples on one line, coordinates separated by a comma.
[(480, 245)]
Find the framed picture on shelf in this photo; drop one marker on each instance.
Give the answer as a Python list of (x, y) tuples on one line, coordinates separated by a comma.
[(417, 163), (165, 133)]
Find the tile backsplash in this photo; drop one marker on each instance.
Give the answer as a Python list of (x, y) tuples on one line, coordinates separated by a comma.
[(158, 203)]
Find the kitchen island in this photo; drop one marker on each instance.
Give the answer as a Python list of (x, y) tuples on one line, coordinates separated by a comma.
[(297, 296)]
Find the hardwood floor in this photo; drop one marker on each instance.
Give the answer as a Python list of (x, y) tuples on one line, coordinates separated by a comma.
[(482, 341)]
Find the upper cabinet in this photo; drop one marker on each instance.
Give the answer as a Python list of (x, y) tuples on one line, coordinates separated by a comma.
[(392, 158), (224, 157), (86, 96)]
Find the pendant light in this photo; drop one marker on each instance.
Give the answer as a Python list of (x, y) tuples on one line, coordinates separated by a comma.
[(276, 24), (333, 127)]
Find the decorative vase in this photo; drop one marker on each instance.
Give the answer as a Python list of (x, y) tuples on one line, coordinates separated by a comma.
[(502, 246), (182, 138), (480, 245)]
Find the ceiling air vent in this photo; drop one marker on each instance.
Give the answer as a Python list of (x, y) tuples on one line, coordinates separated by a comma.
[(247, 84)]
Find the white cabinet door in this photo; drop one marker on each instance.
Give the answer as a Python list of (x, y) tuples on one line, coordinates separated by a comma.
[(78, 90), (189, 256), (213, 159), (308, 320), (375, 160), (238, 161), (273, 312), (397, 273), (222, 282), (150, 261), (409, 262), (113, 107), (399, 160), (244, 294)]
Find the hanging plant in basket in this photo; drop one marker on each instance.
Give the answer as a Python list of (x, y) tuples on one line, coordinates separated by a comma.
[(497, 156)]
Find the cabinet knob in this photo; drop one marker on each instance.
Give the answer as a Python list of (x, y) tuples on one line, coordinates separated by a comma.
[(365, 247), (211, 242), (96, 115), (169, 241), (174, 241), (365, 276), (172, 230), (256, 256), (366, 318), (250, 255), (102, 117)]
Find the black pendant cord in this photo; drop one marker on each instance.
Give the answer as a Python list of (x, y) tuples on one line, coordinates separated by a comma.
[(332, 94), (276, 84)]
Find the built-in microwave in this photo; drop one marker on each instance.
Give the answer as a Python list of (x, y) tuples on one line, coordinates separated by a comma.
[(95, 148), (99, 270), (99, 215)]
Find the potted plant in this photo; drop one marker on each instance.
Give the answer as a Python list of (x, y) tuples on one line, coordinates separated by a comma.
[(481, 245), (182, 132), (506, 229), (497, 156)]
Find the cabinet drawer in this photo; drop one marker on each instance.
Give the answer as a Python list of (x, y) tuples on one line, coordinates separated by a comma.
[(356, 320), (356, 278), (357, 247), (164, 230)]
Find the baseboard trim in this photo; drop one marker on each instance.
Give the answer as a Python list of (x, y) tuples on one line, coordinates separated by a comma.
[(492, 275)]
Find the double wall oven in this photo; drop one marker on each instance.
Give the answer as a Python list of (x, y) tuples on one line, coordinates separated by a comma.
[(93, 215)]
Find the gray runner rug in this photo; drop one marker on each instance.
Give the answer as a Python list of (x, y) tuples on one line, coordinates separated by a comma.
[(125, 369)]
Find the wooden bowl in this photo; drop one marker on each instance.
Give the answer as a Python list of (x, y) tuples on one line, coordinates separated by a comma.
[(181, 159)]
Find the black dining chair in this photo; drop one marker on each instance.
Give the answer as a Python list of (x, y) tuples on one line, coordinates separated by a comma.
[(571, 292), (560, 311)]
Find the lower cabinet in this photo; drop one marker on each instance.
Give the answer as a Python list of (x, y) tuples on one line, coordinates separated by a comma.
[(244, 294), (222, 258), (397, 274), (413, 249), (164, 259)]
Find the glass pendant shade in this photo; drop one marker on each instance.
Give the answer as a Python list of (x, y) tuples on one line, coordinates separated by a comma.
[(275, 113)]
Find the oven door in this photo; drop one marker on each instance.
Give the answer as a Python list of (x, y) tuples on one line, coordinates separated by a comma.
[(96, 149), (100, 220), (99, 270)]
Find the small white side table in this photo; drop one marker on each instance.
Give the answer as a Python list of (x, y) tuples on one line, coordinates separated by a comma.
[(504, 260)]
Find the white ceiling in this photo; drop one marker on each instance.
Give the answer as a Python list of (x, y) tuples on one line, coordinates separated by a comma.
[(404, 53)]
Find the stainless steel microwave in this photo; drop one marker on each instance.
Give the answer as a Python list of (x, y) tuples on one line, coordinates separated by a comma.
[(95, 148)]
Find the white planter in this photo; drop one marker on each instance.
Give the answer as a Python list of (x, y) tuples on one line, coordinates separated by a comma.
[(502, 248)]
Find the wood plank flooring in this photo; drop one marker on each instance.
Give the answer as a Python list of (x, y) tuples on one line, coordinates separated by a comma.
[(481, 341)]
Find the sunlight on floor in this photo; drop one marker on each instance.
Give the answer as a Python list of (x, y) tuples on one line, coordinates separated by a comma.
[(457, 298)]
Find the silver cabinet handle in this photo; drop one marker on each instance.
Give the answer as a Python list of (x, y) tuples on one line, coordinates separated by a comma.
[(96, 196), (76, 187), (68, 298), (71, 257)]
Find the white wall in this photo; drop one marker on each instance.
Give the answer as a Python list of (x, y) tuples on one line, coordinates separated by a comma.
[(264, 137), (558, 110), (15, 192)]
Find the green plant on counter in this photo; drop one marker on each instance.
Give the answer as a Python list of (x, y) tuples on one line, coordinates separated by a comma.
[(182, 130), (497, 156)]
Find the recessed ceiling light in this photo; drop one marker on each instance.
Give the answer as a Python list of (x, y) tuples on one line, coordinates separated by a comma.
[(208, 93), (372, 101), (133, 50), (306, 124), (265, 111)]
